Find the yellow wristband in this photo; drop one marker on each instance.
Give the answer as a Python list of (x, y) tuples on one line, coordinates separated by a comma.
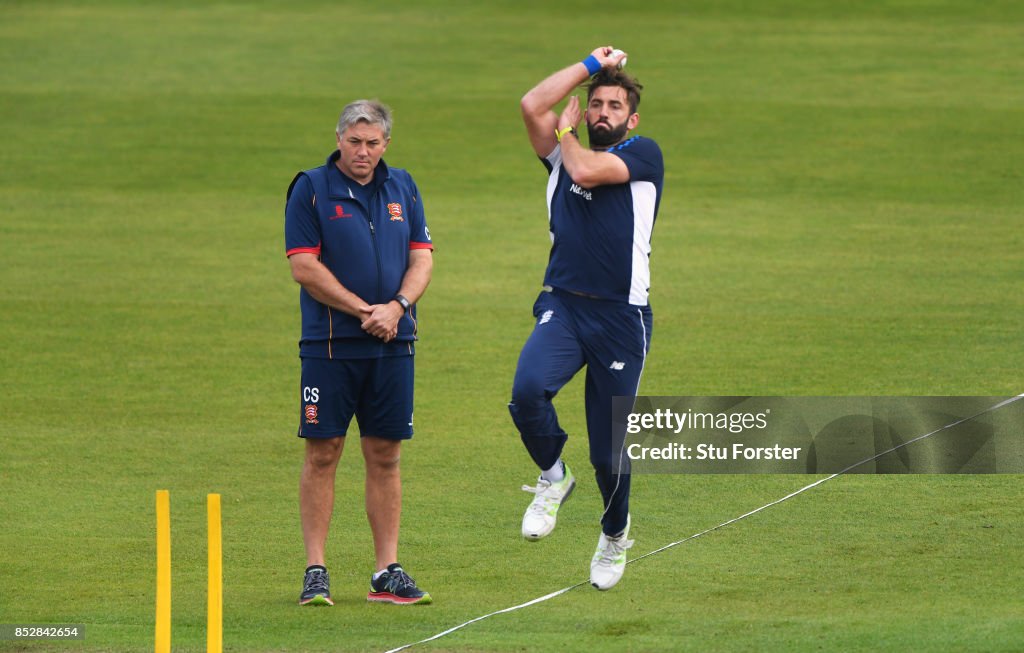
[(559, 133)]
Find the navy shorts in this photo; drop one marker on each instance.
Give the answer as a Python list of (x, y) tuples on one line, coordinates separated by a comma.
[(378, 391)]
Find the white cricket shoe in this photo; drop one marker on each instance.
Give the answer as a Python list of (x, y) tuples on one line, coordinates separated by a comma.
[(539, 518), (609, 559)]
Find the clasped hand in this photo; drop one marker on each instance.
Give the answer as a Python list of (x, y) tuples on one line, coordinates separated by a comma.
[(381, 320)]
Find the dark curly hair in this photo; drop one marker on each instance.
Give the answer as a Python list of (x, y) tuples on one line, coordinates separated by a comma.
[(616, 77)]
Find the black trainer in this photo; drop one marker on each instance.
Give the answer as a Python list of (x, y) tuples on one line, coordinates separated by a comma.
[(316, 587), (395, 586)]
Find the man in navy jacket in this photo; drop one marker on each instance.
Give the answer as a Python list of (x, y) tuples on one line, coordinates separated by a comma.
[(358, 244)]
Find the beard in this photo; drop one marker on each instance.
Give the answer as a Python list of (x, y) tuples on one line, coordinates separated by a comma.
[(606, 137)]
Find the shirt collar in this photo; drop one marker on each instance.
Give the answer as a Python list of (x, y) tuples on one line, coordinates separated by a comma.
[(337, 182)]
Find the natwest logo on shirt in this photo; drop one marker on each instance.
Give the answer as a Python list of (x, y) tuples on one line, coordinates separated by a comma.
[(582, 192)]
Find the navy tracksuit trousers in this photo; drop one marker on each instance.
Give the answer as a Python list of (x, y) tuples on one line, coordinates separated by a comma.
[(612, 340)]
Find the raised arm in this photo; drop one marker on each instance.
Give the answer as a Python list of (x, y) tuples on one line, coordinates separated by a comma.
[(538, 104)]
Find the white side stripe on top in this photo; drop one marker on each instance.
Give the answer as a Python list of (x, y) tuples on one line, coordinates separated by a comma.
[(555, 159), (645, 195)]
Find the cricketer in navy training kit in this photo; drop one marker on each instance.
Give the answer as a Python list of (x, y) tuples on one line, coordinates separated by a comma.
[(593, 311), (358, 244)]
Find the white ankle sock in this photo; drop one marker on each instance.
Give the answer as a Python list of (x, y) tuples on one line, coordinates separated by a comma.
[(555, 474)]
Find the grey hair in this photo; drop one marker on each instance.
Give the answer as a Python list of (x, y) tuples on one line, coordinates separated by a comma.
[(369, 111)]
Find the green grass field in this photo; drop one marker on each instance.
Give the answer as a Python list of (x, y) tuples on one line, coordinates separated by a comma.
[(842, 216)]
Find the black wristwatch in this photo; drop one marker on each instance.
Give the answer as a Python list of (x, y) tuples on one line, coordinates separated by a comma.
[(403, 301)]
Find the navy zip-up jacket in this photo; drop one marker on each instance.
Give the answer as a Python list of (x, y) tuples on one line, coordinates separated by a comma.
[(364, 245)]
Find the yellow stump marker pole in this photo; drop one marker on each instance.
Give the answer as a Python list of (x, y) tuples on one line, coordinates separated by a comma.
[(214, 580), (163, 571)]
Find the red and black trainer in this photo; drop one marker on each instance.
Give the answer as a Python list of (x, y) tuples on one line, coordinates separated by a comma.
[(395, 586)]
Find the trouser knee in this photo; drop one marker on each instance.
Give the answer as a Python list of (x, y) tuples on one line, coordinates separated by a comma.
[(532, 411), (539, 431)]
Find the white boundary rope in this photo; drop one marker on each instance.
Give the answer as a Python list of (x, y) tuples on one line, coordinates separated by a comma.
[(789, 496), (539, 599)]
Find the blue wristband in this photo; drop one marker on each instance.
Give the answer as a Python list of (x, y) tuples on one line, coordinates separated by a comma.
[(592, 64)]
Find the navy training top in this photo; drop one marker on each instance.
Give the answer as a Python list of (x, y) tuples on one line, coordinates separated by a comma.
[(601, 236), (363, 236)]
